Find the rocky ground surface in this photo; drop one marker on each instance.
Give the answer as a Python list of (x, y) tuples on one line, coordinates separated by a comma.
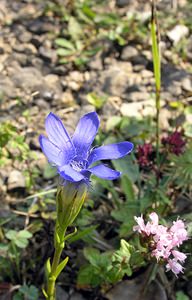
[(33, 83)]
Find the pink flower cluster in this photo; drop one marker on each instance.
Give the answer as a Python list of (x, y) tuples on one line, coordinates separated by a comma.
[(164, 240), (175, 142), (144, 155)]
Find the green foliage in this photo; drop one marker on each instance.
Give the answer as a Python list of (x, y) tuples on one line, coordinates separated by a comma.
[(180, 169), (86, 28), (128, 166), (105, 268), (125, 215), (14, 148), (49, 172), (181, 296), (121, 261), (27, 293), (61, 266), (11, 251), (7, 130), (20, 238), (113, 122), (95, 100)]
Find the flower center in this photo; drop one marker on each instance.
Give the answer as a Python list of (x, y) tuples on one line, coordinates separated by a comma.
[(79, 164)]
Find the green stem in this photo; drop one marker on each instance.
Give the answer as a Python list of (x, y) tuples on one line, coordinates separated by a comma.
[(157, 133), (51, 292), (69, 201), (52, 277), (157, 74)]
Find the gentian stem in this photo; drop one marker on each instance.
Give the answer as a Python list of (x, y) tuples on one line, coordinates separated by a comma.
[(69, 200), (157, 74), (52, 276)]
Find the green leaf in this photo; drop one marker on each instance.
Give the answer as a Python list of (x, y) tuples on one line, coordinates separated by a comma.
[(137, 259), (49, 172), (44, 293), (24, 234), (126, 248), (20, 238), (95, 100), (92, 255), (30, 292), (79, 45), (156, 54), (70, 235), (181, 296), (3, 247), (176, 105), (65, 52), (18, 296), (80, 61), (126, 212), (88, 12), (61, 266), (83, 233), (63, 61), (11, 234), (47, 268), (125, 215), (188, 129), (124, 253), (85, 275), (74, 29), (121, 260), (64, 43), (145, 202), (128, 166), (4, 221), (57, 238), (21, 243), (113, 122), (127, 187), (91, 52)]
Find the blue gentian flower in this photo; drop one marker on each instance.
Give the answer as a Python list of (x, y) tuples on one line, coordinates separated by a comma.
[(73, 156)]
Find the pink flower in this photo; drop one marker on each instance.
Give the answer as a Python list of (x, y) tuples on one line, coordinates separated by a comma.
[(154, 218), (150, 227), (179, 233), (174, 266), (141, 227), (175, 142), (177, 225), (179, 255), (163, 240), (144, 155)]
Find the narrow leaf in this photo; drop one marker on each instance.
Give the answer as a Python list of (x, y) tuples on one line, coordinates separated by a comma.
[(61, 266), (64, 43), (70, 234), (156, 53), (127, 187), (47, 268), (74, 29), (64, 52), (44, 293)]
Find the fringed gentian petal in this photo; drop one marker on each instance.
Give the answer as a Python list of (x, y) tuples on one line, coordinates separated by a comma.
[(73, 156)]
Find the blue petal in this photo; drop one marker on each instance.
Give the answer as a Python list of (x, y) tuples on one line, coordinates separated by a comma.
[(104, 172), (68, 173), (53, 153), (58, 135), (113, 151), (85, 133)]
